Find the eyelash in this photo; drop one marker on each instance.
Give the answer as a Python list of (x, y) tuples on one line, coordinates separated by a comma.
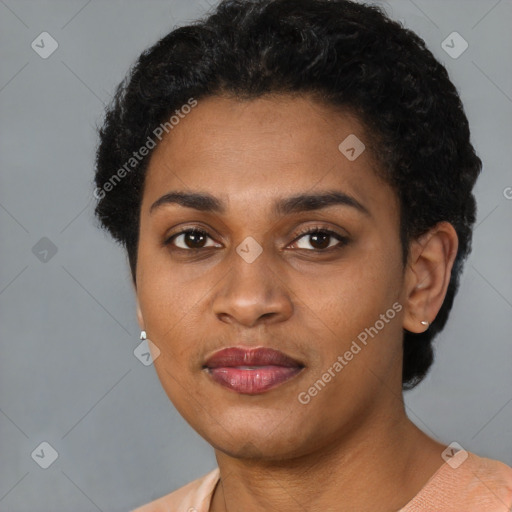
[(307, 231)]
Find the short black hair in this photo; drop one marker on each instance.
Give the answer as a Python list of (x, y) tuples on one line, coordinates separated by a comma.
[(346, 54)]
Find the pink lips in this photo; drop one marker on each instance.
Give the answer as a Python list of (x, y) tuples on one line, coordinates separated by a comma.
[(251, 371)]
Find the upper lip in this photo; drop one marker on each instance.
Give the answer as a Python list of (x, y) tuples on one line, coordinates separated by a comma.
[(241, 356)]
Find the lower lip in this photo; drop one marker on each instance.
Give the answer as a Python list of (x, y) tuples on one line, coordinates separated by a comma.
[(252, 381)]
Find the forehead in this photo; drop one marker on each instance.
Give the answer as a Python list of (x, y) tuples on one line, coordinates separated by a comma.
[(279, 145)]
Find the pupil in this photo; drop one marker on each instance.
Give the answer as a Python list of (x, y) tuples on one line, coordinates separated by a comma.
[(194, 236), (324, 243)]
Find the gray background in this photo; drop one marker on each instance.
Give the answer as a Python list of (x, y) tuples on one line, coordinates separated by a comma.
[(68, 327)]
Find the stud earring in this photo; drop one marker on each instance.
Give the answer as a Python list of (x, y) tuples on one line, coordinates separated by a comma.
[(142, 335), (424, 322)]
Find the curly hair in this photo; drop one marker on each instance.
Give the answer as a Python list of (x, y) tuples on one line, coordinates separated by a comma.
[(348, 55)]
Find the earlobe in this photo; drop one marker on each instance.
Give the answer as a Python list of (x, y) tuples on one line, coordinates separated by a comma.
[(428, 276), (140, 319)]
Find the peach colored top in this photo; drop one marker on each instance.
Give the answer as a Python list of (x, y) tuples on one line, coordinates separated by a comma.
[(478, 484)]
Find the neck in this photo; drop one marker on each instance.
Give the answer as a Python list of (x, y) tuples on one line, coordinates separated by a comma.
[(379, 466)]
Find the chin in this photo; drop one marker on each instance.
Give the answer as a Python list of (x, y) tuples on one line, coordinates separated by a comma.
[(258, 439)]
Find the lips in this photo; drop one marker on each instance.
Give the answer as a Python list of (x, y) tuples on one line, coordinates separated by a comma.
[(251, 371)]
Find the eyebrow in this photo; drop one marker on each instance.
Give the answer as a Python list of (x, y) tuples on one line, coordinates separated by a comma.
[(286, 206)]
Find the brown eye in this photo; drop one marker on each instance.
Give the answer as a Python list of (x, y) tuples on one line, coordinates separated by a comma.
[(320, 239), (190, 239)]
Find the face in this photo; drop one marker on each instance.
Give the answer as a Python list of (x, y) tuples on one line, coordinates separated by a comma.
[(239, 269)]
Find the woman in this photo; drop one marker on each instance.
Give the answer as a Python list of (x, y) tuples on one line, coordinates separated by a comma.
[(292, 181)]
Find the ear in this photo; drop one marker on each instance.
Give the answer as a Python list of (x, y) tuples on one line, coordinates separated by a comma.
[(428, 274), (140, 319)]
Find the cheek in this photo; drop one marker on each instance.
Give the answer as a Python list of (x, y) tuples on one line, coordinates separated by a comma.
[(165, 296), (355, 292), (359, 303)]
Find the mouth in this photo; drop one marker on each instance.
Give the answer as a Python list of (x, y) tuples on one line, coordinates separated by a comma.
[(251, 371)]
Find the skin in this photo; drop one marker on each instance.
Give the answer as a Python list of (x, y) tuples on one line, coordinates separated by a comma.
[(353, 439)]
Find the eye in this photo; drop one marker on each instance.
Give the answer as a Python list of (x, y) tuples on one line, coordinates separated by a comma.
[(320, 239), (190, 239)]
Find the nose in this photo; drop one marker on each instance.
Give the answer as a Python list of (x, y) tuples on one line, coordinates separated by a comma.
[(252, 293)]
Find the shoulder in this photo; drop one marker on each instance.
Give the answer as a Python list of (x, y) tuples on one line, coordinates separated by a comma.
[(466, 482), (490, 481), (195, 495)]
